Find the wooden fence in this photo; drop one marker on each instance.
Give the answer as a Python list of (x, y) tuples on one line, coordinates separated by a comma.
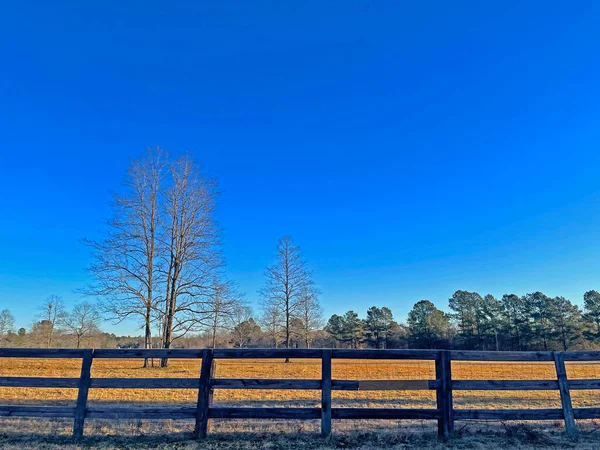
[(443, 384)]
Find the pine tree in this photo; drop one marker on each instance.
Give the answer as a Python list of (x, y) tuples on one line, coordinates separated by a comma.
[(566, 322), (591, 315), (428, 326)]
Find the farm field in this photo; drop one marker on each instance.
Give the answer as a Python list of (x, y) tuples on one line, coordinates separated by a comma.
[(411, 431), (306, 369)]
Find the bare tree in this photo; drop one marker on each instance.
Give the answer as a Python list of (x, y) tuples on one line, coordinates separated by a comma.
[(51, 313), (189, 251), (243, 327), (286, 281), (7, 324), (125, 266), (82, 322), (223, 304), (160, 256), (310, 315), (273, 323)]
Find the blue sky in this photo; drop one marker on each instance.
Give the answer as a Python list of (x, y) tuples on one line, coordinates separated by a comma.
[(411, 148)]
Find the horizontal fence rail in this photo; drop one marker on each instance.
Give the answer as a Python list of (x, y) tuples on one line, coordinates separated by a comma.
[(206, 383)]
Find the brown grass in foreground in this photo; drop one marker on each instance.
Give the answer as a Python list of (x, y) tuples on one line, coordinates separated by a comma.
[(18, 434)]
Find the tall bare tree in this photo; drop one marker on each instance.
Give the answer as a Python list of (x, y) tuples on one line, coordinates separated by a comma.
[(310, 315), (190, 251), (126, 261), (160, 255), (286, 281), (82, 322), (51, 313)]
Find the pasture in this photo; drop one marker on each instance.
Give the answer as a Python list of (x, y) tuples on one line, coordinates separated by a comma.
[(375, 432), (299, 369)]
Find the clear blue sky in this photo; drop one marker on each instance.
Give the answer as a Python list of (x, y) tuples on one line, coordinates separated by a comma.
[(411, 148)]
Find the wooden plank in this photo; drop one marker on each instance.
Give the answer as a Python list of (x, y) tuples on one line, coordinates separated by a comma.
[(36, 411), (344, 385), (444, 395), (344, 353), (259, 353), (204, 396), (67, 353), (446, 384), (39, 382), (397, 385), (211, 391), (265, 413), (116, 353), (583, 384), (508, 414), (458, 355), (145, 383), (592, 355), (565, 395), (504, 385), (440, 401), (384, 413), (82, 394), (465, 355), (141, 413), (326, 394), (264, 383), (586, 413)]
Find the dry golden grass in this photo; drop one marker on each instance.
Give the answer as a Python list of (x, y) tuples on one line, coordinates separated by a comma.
[(309, 369)]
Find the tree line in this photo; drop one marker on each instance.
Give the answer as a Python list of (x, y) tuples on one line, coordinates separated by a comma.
[(519, 323), (159, 263), (529, 322)]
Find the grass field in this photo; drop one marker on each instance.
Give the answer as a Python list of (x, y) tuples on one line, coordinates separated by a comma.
[(411, 431)]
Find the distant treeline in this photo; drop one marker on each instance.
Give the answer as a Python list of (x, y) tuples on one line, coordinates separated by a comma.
[(529, 322)]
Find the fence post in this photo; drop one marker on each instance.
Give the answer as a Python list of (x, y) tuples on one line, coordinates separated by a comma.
[(204, 394), (82, 394), (326, 393), (565, 394), (443, 372)]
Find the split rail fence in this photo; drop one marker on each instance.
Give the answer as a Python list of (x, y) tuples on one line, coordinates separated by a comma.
[(205, 383)]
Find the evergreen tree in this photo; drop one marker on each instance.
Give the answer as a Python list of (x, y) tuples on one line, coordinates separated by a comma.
[(378, 325), (591, 315), (397, 336), (336, 328), (466, 307), (566, 322), (515, 320), (428, 326), (540, 311), (492, 322), (353, 328), (346, 329)]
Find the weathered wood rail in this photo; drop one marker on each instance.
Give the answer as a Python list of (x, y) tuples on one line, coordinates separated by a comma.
[(444, 413)]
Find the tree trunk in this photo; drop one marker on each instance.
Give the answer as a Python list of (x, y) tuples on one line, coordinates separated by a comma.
[(169, 325), (148, 333), (287, 327), (215, 324), (496, 337)]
